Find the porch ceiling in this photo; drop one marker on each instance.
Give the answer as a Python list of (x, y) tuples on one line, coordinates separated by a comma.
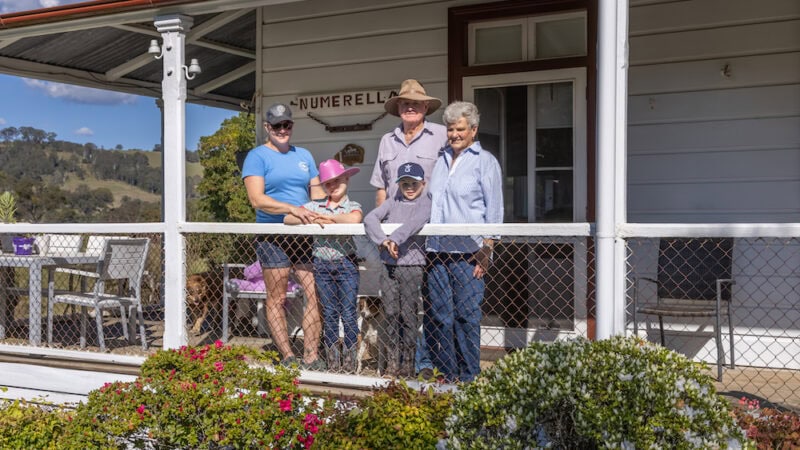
[(112, 54)]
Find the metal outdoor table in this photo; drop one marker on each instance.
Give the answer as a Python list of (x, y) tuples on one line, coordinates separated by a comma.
[(35, 264)]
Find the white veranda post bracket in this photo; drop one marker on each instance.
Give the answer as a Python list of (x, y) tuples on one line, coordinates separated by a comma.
[(173, 29)]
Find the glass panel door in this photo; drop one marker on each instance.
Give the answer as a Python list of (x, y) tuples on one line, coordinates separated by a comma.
[(530, 129), (534, 123)]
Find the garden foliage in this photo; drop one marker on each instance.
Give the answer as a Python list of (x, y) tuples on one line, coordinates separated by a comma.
[(615, 393), (768, 428), (30, 425), (393, 417), (199, 398)]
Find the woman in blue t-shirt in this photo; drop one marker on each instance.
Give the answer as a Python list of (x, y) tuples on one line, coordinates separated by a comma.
[(279, 177)]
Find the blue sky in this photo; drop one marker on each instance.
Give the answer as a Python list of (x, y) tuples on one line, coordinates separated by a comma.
[(79, 114)]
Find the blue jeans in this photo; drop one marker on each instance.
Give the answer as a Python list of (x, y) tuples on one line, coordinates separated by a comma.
[(452, 320), (337, 286)]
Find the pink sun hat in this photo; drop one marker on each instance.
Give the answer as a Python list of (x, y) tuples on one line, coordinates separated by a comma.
[(331, 168)]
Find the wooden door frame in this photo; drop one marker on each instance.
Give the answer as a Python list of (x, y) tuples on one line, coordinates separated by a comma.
[(458, 67)]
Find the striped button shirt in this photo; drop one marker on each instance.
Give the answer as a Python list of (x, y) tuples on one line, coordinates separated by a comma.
[(470, 192), (333, 247)]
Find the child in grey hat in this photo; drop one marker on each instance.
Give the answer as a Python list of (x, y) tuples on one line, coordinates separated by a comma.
[(403, 256)]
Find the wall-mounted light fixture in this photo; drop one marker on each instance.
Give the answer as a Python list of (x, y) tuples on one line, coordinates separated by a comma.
[(158, 52), (193, 69)]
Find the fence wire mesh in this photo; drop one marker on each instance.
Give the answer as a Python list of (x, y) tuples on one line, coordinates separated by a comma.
[(362, 316), (758, 280), (77, 291), (359, 315)]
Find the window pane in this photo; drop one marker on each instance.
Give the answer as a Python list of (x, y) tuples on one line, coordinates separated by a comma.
[(554, 196), (498, 44), (554, 147), (560, 38)]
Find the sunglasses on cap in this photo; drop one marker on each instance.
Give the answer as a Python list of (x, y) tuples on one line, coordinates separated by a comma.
[(282, 125)]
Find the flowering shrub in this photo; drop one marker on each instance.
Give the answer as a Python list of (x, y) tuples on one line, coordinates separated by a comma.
[(394, 417), (30, 425), (615, 393), (768, 427), (209, 397)]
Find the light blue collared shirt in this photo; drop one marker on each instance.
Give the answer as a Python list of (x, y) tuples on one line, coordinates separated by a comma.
[(393, 152), (472, 192)]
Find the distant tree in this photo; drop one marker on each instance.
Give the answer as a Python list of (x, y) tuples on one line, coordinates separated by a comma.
[(9, 134), (35, 200), (157, 148), (222, 192), (88, 152), (35, 135), (134, 210), (192, 157), (118, 147)]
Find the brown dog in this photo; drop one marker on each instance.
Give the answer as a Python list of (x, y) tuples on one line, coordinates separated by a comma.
[(198, 300)]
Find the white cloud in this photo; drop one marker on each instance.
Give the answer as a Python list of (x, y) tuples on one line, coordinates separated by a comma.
[(84, 131), (80, 94), (2, 121), (7, 6)]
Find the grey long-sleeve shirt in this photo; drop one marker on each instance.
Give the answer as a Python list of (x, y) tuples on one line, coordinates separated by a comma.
[(413, 215)]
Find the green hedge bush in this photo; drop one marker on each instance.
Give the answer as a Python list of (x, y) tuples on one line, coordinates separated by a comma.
[(394, 417), (27, 425), (615, 393)]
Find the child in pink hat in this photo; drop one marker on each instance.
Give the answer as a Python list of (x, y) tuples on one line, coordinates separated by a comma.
[(335, 266)]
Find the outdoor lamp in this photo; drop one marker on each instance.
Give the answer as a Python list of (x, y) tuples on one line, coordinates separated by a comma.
[(155, 49), (193, 69)]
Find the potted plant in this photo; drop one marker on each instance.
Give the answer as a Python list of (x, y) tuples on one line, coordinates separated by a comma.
[(8, 209)]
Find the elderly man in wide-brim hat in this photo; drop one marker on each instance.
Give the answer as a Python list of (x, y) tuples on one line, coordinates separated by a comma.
[(415, 140)]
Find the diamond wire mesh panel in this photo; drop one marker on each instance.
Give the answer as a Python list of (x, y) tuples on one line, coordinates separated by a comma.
[(764, 295), (370, 315), (66, 266)]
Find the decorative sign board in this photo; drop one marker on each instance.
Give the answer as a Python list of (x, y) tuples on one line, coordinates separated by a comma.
[(341, 103)]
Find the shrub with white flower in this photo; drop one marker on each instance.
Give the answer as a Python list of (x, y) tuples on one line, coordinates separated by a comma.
[(614, 393)]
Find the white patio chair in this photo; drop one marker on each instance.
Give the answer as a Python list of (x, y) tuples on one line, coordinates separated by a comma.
[(122, 260), (60, 244)]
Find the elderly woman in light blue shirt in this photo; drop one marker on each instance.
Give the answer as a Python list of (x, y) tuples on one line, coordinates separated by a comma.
[(466, 187)]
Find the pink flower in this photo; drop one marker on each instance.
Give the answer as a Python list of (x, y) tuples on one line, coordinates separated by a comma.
[(140, 409), (219, 366), (285, 405), (280, 434), (218, 344)]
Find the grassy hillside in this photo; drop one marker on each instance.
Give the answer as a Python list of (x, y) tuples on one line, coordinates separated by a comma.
[(119, 188)]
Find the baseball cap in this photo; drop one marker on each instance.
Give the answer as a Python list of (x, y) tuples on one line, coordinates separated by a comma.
[(410, 170), (278, 113)]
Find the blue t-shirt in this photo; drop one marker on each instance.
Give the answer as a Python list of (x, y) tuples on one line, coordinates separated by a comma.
[(286, 176)]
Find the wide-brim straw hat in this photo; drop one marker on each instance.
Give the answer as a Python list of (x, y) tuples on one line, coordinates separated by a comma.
[(411, 90)]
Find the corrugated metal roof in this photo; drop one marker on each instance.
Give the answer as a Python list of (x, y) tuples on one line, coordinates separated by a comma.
[(84, 56)]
